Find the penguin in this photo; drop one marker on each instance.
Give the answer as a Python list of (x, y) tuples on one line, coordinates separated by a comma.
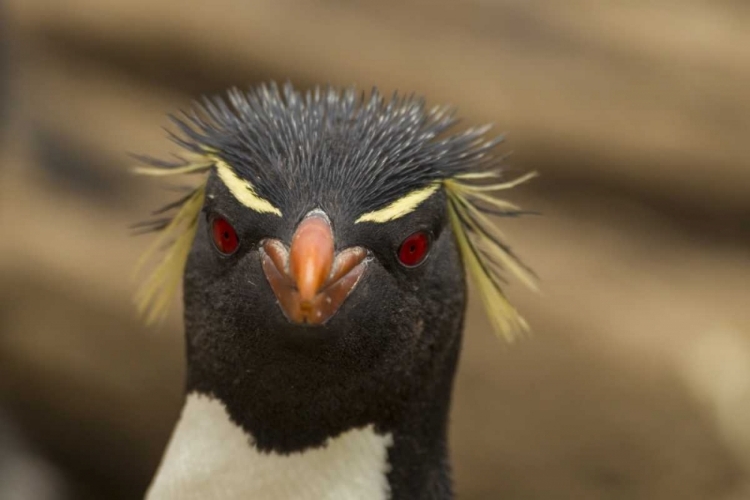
[(323, 257)]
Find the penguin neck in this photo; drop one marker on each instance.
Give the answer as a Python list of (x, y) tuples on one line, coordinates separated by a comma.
[(419, 460), (244, 438)]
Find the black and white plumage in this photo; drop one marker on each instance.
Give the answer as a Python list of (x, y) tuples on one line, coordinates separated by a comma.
[(324, 291)]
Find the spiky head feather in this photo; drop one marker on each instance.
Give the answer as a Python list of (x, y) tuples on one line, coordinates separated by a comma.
[(362, 152)]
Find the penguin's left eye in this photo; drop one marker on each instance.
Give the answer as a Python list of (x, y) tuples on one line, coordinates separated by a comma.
[(225, 237), (414, 249)]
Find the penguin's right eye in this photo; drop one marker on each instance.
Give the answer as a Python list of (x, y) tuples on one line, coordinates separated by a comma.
[(224, 236)]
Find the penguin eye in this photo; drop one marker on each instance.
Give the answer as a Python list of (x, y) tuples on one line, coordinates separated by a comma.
[(224, 236), (414, 249)]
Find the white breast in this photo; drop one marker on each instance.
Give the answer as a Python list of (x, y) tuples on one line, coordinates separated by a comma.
[(211, 458)]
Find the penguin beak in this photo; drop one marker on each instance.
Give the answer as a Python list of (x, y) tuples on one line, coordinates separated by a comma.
[(309, 279)]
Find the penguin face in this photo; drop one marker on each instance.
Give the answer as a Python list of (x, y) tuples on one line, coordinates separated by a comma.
[(400, 304)]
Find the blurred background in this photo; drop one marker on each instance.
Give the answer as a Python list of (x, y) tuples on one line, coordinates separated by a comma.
[(636, 380)]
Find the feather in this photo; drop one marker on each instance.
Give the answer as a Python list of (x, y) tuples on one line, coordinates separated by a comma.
[(483, 251), (176, 235)]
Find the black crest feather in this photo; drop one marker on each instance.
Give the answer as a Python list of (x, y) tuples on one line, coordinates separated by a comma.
[(363, 151)]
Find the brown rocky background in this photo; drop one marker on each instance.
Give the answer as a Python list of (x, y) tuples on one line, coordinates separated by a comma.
[(636, 381)]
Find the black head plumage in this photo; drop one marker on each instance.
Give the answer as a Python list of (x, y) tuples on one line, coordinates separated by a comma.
[(364, 151), (352, 150)]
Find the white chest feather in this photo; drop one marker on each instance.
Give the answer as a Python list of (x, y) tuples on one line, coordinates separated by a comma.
[(211, 458)]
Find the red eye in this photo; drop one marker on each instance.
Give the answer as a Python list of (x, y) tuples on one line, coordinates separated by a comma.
[(225, 237), (414, 249)]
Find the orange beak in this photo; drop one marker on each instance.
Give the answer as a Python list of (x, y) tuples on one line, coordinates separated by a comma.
[(311, 256), (309, 280)]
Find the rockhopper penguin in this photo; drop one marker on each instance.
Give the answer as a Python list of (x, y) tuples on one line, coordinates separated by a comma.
[(324, 292)]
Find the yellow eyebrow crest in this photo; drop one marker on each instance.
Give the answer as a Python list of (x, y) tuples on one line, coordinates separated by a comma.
[(403, 206), (243, 190)]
